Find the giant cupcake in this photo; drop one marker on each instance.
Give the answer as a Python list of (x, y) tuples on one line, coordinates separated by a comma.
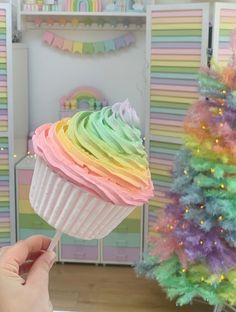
[(91, 171)]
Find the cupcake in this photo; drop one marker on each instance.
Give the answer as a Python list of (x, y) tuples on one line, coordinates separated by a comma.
[(91, 171)]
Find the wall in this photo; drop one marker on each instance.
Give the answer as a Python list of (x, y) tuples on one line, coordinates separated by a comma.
[(53, 73)]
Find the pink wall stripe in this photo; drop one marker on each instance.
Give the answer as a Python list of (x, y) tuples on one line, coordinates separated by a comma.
[(4, 156), (177, 13), (4, 219), (226, 52), (3, 117), (3, 83), (228, 12), (177, 57), (25, 176), (4, 188)]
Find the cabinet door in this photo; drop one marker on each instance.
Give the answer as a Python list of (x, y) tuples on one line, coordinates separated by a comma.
[(224, 24), (124, 244), (177, 43), (29, 223), (78, 250)]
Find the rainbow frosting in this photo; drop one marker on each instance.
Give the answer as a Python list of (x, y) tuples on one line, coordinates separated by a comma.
[(101, 152)]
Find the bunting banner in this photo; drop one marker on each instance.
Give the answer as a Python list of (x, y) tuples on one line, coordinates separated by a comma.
[(96, 47)]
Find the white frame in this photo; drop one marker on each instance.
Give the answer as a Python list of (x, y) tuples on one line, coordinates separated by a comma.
[(216, 25), (205, 33), (218, 6)]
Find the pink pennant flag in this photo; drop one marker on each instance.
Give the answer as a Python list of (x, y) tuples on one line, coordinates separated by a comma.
[(48, 37), (58, 42)]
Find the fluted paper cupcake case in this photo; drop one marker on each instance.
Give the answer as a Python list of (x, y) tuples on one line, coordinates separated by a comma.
[(71, 209)]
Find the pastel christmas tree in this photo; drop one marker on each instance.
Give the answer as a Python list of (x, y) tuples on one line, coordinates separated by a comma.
[(193, 251)]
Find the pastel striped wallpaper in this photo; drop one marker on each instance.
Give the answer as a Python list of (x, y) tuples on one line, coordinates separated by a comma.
[(224, 23), (176, 53), (4, 159)]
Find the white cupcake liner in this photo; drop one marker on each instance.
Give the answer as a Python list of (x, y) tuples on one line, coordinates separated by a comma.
[(71, 209)]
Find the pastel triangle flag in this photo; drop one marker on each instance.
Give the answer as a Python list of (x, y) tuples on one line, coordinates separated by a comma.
[(77, 47), (99, 47), (120, 43), (109, 45), (88, 48), (48, 37), (129, 39), (67, 45), (58, 42)]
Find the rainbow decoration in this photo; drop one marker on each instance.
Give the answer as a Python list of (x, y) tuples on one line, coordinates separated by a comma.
[(82, 98), (83, 5), (80, 47), (4, 153), (224, 24), (176, 45)]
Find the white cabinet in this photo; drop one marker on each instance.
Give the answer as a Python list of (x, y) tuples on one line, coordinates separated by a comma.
[(40, 13)]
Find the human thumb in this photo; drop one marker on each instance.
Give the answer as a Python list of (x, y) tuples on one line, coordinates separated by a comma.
[(39, 272)]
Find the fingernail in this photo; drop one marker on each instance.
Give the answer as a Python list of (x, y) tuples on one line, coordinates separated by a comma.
[(51, 258)]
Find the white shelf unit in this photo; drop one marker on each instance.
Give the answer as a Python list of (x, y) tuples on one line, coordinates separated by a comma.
[(176, 49), (94, 20), (114, 19)]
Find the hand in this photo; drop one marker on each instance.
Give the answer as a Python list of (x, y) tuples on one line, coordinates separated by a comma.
[(24, 272)]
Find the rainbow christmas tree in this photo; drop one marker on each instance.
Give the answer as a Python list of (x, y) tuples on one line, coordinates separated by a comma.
[(193, 252)]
